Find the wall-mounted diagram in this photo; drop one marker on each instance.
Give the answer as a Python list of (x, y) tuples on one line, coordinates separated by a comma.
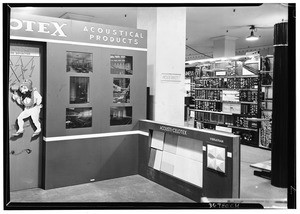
[(23, 62)]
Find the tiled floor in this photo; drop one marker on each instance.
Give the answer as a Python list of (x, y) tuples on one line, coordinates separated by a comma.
[(138, 189)]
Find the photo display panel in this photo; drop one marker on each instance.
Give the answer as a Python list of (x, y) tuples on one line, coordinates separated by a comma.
[(120, 64), (79, 62), (78, 117), (120, 116), (121, 90), (79, 90)]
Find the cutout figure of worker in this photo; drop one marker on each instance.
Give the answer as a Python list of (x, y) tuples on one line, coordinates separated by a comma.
[(31, 100)]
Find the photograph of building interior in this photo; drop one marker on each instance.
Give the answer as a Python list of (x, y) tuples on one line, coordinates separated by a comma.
[(176, 105)]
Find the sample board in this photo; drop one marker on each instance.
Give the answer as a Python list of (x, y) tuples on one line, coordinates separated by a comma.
[(189, 161)]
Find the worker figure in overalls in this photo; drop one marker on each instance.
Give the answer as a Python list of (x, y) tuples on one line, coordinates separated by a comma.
[(31, 100)]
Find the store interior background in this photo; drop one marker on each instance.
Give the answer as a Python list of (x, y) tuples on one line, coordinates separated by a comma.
[(179, 34), (194, 30)]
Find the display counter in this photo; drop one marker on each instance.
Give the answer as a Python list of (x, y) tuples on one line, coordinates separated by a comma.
[(195, 163)]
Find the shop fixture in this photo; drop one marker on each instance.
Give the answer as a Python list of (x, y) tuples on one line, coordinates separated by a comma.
[(234, 95), (252, 37)]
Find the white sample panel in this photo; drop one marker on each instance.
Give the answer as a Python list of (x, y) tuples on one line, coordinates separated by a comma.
[(170, 144), (216, 158), (155, 159), (157, 140), (168, 163), (190, 148), (183, 168), (158, 159)]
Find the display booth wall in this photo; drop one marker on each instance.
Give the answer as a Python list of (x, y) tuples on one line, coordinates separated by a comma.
[(80, 81), (95, 156)]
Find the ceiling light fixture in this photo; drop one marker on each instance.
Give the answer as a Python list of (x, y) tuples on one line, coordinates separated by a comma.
[(252, 37)]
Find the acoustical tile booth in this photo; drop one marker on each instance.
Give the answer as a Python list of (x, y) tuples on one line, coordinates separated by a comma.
[(93, 80)]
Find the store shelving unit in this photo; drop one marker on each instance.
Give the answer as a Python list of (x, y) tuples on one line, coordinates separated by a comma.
[(190, 92), (266, 102), (228, 98)]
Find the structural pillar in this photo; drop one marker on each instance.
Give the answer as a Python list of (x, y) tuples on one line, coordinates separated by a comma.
[(280, 116), (224, 46), (166, 33)]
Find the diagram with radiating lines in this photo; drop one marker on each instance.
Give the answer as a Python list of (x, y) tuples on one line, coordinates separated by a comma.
[(21, 68)]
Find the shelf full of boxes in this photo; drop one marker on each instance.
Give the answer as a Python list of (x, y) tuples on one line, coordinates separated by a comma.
[(228, 96), (266, 102)]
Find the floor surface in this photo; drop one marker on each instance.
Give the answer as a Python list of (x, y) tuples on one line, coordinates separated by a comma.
[(126, 189), (139, 189)]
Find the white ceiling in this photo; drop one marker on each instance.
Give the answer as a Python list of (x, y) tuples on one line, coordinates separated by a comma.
[(206, 23), (203, 23)]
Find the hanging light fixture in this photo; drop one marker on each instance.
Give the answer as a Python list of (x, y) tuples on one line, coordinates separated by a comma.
[(252, 37)]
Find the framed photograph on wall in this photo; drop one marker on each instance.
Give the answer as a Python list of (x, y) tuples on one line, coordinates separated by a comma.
[(120, 115), (121, 90), (79, 62), (79, 90), (120, 64), (78, 117)]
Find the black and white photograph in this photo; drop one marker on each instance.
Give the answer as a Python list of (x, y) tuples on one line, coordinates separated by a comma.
[(121, 64), (120, 116), (144, 106), (79, 62), (78, 118), (121, 90), (79, 90)]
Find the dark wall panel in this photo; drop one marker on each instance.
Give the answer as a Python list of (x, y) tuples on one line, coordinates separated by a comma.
[(83, 161), (101, 89), (78, 161)]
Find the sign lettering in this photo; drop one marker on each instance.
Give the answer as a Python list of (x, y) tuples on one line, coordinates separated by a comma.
[(49, 28), (173, 130), (113, 35), (43, 27), (216, 140), (170, 77)]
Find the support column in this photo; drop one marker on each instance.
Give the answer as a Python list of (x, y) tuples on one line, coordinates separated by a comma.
[(280, 116), (224, 46), (166, 29)]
